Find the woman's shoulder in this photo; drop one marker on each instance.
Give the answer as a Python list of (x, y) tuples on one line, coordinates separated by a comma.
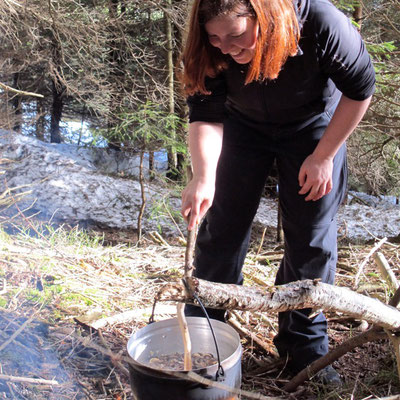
[(323, 13)]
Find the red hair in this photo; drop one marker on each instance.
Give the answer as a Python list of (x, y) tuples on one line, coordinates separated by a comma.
[(278, 36)]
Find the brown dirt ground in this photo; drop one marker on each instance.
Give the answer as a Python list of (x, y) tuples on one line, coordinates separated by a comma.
[(63, 349)]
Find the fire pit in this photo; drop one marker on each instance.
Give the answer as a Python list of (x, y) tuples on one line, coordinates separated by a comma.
[(162, 339)]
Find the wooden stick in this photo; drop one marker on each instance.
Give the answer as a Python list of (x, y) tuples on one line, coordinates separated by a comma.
[(390, 278), (104, 343), (396, 345), (16, 333), (386, 271), (28, 380), (252, 337), (332, 356), (10, 89), (180, 311), (372, 334), (243, 393), (187, 343), (362, 265)]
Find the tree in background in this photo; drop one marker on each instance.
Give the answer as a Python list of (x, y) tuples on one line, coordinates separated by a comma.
[(101, 56), (375, 148), (100, 60), (149, 129)]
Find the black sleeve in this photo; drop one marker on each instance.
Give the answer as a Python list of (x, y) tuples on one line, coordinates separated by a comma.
[(209, 108), (342, 53)]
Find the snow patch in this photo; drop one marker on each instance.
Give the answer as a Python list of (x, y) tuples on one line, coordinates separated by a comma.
[(75, 184)]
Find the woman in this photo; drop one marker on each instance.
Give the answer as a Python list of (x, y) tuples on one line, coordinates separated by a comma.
[(272, 80)]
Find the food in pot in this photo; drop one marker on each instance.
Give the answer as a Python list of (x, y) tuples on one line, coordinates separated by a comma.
[(174, 361)]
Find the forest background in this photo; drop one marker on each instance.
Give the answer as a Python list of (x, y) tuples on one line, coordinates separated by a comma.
[(111, 67)]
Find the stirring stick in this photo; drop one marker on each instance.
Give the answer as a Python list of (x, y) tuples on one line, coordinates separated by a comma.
[(187, 344)]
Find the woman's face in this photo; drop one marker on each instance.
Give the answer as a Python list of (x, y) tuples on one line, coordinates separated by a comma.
[(234, 35)]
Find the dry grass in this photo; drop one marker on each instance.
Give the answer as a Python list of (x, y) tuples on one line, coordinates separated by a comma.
[(69, 281)]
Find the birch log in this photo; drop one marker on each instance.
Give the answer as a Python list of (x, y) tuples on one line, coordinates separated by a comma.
[(292, 296)]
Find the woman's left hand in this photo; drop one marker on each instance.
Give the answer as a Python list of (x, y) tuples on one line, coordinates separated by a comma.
[(315, 177)]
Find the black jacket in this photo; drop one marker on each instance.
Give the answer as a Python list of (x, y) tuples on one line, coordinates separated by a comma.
[(331, 59)]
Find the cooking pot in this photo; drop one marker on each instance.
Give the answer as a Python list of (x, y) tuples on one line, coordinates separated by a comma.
[(164, 338)]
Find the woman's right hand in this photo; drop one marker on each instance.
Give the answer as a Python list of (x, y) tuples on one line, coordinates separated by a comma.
[(197, 198)]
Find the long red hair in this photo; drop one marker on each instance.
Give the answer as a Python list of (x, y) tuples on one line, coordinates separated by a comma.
[(278, 36)]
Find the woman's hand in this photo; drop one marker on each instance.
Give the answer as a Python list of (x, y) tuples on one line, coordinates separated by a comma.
[(315, 177), (197, 198)]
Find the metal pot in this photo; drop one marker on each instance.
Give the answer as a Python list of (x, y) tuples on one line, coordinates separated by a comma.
[(164, 337)]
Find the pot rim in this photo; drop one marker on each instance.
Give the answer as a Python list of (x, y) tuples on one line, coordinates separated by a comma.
[(226, 363)]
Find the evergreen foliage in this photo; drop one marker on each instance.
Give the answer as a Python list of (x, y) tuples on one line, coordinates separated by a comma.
[(108, 62)]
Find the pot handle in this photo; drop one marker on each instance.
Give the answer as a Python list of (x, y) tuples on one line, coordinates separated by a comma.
[(220, 374)]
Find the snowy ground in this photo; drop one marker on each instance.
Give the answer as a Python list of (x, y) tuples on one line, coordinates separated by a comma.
[(363, 218), (72, 184)]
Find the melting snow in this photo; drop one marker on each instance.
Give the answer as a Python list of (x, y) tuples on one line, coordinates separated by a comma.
[(76, 184)]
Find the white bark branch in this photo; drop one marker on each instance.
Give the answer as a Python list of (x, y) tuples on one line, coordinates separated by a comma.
[(386, 271), (292, 296), (23, 379), (363, 264), (21, 92)]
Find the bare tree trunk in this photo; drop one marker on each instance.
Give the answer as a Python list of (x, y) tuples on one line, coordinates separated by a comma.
[(152, 174), (292, 296), (58, 88), (142, 191), (117, 76), (172, 159), (82, 125), (40, 121), (56, 112), (17, 105), (357, 15)]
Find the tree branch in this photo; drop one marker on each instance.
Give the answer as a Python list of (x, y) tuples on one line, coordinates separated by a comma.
[(21, 92), (292, 296)]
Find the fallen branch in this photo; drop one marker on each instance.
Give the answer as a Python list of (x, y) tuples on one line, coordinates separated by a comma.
[(39, 381), (244, 332), (16, 333), (337, 352), (117, 363), (157, 238), (116, 359), (396, 346), (292, 296), (372, 334), (21, 92), (362, 265), (132, 315), (243, 393), (386, 271)]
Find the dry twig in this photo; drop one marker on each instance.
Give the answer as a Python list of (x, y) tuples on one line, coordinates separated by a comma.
[(362, 265), (386, 271), (16, 333), (252, 337), (28, 380)]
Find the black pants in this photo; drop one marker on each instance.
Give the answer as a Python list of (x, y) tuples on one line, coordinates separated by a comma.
[(309, 226)]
